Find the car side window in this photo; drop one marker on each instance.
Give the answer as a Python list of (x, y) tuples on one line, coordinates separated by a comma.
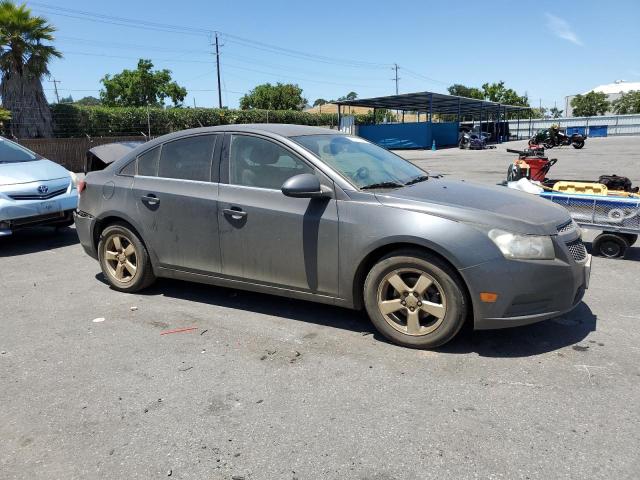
[(188, 158), (148, 163), (256, 162), (129, 169)]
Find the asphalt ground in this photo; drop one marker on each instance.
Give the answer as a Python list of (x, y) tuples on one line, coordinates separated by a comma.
[(273, 388)]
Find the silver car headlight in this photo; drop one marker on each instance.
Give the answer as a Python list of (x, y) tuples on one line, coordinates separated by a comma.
[(523, 247)]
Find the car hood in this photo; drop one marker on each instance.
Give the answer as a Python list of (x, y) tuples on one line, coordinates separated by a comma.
[(492, 206), (25, 172)]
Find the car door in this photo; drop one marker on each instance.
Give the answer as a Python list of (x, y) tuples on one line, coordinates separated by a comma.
[(176, 198), (266, 237)]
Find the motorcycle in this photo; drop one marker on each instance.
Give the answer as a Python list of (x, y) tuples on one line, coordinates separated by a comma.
[(543, 137), (472, 141)]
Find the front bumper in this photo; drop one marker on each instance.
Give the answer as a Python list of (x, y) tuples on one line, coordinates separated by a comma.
[(23, 213), (528, 291)]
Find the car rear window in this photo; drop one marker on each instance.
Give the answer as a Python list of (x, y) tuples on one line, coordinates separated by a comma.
[(148, 163)]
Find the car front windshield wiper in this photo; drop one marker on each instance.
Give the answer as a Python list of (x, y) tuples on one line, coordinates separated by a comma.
[(419, 179), (382, 185)]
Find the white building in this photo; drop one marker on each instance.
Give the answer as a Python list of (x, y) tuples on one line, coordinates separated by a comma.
[(613, 91)]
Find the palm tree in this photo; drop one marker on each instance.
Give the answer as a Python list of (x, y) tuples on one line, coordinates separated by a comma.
[(23, 63)]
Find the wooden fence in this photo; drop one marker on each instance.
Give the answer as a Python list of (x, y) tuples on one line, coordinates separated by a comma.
[(69, 152)]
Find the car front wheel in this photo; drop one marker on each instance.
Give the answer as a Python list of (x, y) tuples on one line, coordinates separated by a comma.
[(415, 299), (124, 259)]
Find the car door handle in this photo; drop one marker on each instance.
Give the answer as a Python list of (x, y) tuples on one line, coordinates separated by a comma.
[(235, 212), (150, 199)]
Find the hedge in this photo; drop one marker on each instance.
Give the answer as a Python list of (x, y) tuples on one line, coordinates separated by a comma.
[(79, 121)]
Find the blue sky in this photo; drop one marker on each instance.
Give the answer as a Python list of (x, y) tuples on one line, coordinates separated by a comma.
[(548, 49)]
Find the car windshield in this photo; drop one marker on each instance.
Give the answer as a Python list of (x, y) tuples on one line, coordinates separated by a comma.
[(362, 163), (12, 153)]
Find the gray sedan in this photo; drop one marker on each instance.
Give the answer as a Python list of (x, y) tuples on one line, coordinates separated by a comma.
[(310, 213)]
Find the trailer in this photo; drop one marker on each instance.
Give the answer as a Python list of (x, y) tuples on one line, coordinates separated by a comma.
[(618, 217)]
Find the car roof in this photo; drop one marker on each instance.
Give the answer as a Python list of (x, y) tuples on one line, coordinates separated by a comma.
[(270, 129), (282, 129)]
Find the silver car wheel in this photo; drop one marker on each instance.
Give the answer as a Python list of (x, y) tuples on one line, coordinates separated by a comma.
[(412, 301)]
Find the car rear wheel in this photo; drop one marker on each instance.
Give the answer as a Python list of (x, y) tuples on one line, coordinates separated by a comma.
[(124, 259), (415, 299)]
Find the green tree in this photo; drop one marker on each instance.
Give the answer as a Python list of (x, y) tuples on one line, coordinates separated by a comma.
[(274, 97), (89, 101), (5, 115), (590, 105), (463, 91), (320, 101), (24, 60), (628, 103), (140, 87), (555, 112), (349, 96), (68, 99), (497, 92)]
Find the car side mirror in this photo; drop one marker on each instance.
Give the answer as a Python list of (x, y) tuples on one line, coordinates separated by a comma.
[(304, 185)]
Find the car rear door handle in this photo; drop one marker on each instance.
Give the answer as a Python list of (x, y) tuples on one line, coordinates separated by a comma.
[(235, 212), (150, 199)]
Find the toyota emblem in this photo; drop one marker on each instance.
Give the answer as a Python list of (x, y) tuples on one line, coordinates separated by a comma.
[(42, 189)]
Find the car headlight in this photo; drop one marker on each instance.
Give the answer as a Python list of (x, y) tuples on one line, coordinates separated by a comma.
[(523, 247), (74, 181)]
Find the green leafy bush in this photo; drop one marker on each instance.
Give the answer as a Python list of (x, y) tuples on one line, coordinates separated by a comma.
[(99, 121)]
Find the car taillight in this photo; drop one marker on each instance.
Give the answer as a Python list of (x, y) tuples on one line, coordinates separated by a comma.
[(81, 186)]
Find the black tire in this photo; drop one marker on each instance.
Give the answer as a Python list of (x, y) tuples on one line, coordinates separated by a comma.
[(143, 276), (446, 282), (610, 245), (631, 238), (578, 144)]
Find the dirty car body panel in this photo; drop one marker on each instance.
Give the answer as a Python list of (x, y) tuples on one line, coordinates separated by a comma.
[(252, 236)]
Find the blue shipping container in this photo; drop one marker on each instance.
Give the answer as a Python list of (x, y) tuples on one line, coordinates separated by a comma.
[(581, 130), (598, 130)]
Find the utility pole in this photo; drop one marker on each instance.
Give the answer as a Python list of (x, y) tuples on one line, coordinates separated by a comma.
[(395, 67), (218, 71), (55, 87)]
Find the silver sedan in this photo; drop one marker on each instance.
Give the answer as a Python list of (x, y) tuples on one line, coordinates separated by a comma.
[(33, 190)]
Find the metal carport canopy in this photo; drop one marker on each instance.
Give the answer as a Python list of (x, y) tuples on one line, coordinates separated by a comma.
[(437, 103)]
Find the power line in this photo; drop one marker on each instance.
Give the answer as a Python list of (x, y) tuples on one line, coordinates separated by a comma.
[(137, 23)]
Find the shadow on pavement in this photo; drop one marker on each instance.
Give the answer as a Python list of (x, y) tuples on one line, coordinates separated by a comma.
[(274, 305), (32, 240), (525, 341), (535, 339)]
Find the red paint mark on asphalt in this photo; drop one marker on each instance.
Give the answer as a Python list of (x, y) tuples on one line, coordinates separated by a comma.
[(178, 330)]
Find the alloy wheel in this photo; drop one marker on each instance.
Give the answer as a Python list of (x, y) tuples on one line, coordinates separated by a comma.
[(120, 258), (412, 301)]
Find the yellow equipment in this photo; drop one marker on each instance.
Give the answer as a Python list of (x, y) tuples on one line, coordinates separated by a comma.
[(581, 187)]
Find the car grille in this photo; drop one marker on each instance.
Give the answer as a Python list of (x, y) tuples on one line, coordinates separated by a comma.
[(577, 250), (565, 227), (46, 196)]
